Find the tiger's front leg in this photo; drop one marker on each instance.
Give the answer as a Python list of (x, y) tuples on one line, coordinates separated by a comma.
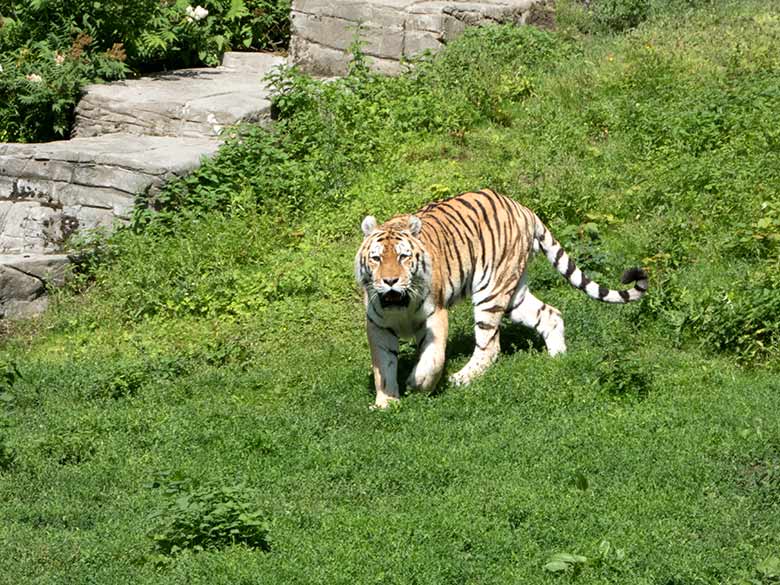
[(432, 343), (384, 359)]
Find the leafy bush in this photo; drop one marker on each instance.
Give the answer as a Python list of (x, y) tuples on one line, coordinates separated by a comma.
[(743, 319), (619, 15), (760, 475), (204, 518), (9, 375), (170, 32), (179, 35), (61, 21), (70, 447), (502, 61), (218, 267), (39, 87), (623, 374), (606, 556), (123, 382), (7, 455)]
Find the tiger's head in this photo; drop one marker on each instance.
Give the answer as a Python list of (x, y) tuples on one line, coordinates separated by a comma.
[(392, 264)]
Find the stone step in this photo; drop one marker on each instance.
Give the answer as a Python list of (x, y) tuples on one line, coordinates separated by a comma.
[(25, 280), (187, 103), (48, 191)]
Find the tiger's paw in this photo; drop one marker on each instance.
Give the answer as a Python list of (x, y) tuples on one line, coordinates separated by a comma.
[(460, 378), (385, 403), (422, 382)]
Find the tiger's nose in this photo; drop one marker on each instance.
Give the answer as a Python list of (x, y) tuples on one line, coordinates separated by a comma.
[(389, 281)]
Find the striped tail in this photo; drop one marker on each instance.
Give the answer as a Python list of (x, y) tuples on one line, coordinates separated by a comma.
[(565, 265)]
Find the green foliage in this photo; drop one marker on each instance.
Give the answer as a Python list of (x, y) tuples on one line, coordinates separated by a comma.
[(623, 374), (761, 476), (9, 376), (760, 237), (769, 570), (124, 382), (63, 20), (71, 447), (606, 555), (742, 318), (619, 15), (39, 88), (176, 36), (208, 517), (503, 62), (232, 267), (7, 454), (168, 32)]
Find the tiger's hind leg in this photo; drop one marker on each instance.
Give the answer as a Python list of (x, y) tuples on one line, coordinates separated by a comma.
[(531, 312), (487, 319)]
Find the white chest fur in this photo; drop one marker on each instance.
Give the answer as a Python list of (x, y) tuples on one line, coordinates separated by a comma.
[(406, 322)]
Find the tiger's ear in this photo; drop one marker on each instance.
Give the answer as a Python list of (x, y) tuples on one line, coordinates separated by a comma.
[(415, 225), (369, 225)]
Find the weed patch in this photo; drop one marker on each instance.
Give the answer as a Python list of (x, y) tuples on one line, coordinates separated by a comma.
[(208, 517), (69, 447), (7, 454)]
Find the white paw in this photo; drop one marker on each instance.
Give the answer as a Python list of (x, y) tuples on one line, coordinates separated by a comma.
[(556, 349), (460, 379), (423, 383), (385, 403)]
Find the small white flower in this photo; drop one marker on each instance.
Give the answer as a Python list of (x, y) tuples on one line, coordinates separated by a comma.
[(1, 68), (59, 58), (197, 13), (34, 78)]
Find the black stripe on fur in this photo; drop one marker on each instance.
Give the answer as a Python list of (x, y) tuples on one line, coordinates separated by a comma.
[(632, 275)]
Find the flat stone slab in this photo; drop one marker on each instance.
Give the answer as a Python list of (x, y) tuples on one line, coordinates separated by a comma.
[(25, 280), (391, 30), (48, 191), (187, 103)]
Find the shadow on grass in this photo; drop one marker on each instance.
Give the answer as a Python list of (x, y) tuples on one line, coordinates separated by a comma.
[(514, 338)]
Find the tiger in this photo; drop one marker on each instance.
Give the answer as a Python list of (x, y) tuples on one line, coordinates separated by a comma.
[(412, 268)]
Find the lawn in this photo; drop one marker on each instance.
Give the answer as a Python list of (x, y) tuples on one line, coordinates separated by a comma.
[(195, 407)]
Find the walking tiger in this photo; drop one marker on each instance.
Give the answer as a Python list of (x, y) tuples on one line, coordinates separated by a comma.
[(476, 244)]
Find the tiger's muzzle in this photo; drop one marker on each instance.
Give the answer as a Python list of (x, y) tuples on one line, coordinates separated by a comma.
[(393, 299)]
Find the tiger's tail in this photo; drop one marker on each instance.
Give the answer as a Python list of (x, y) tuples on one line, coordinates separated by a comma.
[(565, 265)]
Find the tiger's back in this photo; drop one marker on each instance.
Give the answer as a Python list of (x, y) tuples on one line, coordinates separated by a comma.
[(481, 242)]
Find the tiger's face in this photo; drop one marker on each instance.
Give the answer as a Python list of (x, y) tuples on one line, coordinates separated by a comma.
[(390, 263)]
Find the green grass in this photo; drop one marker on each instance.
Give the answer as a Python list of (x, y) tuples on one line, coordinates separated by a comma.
[(214, 374)]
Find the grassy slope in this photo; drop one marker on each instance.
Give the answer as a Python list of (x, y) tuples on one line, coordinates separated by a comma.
[(663, 137)]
